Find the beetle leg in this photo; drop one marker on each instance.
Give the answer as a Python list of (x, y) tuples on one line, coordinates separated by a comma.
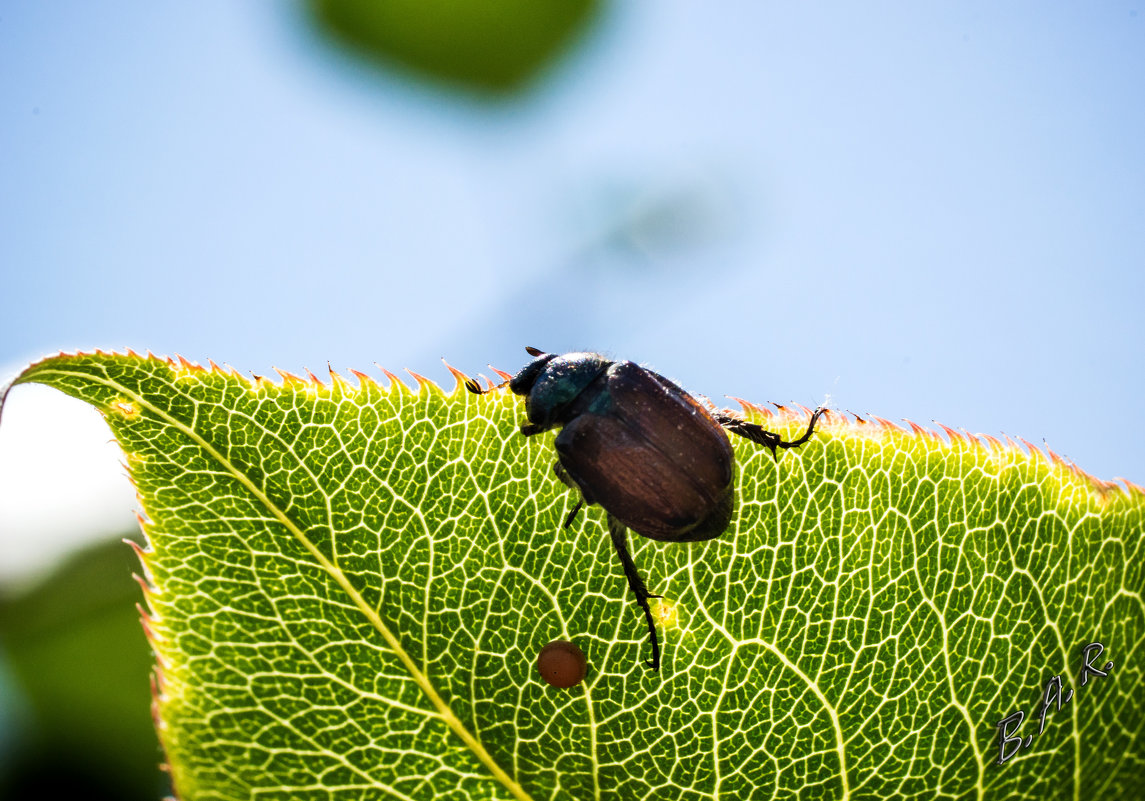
[(529, 429), (761, 436), (567, 480), (563, 476), (572, 515), (620, 542)]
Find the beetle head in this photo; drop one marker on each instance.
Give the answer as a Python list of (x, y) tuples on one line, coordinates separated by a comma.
[(550, 384), (522, 382)]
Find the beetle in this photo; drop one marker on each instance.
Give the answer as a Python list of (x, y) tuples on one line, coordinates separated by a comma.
[(651, 455)]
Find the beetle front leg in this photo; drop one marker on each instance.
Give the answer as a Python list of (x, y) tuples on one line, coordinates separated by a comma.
[(760, 435), (620, 542)]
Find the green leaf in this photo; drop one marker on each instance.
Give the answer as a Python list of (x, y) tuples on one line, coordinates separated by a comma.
[(72, 648), (351, 584), (493, 46)]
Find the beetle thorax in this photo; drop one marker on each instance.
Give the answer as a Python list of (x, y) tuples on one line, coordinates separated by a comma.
[(552, 385)]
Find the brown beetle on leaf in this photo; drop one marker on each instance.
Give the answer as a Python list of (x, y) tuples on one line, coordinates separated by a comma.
[(655, 459)]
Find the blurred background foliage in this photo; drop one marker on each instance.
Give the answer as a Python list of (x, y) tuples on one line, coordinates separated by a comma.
[(918, 210), (496, 46), (74, 669)]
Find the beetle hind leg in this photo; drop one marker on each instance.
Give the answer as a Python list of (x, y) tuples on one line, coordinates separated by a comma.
[(760, 435), (620, 542)]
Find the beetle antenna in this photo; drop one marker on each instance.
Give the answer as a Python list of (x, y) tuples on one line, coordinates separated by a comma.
[(535, 352), (620, 542), (472, 385)]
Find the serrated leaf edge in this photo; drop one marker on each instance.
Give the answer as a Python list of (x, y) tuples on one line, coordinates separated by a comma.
[(444, 712), (783, 415)]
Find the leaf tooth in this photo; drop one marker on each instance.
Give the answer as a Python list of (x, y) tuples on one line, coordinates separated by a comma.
[(887, 424), (1053, 456), (1105, 487), (335, 379), (155, 701), (504, 376), (972, 439), (395, 382), (950, 432), (1130, 487), (364, 380), (925, 431), (459, 377), (214, 368), (145, 620), (995, 444), (806, 412), (425, 383), (313, 378), (915, 428), (1032, 450), (162, 663), (749, 407), (188, 365), (289, 379), (142, 553), (145, 585), (1082, 474), (158, 694)]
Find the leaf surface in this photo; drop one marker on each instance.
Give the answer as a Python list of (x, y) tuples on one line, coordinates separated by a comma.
[(350, 585)]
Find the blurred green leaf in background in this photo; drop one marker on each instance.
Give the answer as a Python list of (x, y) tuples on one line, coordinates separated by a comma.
[(493, 46), (78, 703)]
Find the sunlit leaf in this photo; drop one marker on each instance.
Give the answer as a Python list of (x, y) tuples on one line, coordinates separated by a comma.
[(351, 585)]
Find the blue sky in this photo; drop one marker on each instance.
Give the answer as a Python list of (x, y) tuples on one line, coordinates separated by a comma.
[(930, 211)]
